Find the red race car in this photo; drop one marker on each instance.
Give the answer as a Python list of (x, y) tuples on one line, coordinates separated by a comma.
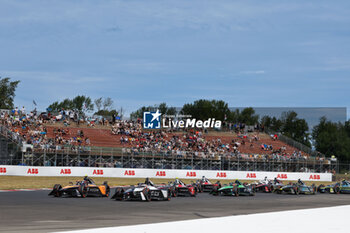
[(204, 185), (268, 186), (179, 188)]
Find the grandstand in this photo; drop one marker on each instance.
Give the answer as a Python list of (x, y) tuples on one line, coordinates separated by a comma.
[(61, 143)]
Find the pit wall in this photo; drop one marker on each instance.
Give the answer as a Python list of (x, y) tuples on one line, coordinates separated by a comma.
[(158, 173)]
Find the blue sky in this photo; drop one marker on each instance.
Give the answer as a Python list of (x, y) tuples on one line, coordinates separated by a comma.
[(248, 53)]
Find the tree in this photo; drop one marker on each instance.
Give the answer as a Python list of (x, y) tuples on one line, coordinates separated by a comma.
[(248, 116), (98, 103), (233, 116), (295, 128), (266, 121), (7, 93), (107, 103), (121, 112), (203, 109), (289, 125), (276, 124), (139, 112), (162, 107), (106, 113), (105, 107), (347, 127), (80, 103), (83, 103), (332, 139), (171, 111)]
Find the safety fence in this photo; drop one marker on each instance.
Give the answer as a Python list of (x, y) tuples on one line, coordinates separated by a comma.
[(158, 173)]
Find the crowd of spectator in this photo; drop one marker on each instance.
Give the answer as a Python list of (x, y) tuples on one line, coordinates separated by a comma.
[(194, 144), (126, 128), (30, 128)]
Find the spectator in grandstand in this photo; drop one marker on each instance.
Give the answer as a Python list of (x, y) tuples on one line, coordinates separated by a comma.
[(31, 128)]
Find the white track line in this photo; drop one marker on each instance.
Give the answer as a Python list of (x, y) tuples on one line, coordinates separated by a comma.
[(22, 190)]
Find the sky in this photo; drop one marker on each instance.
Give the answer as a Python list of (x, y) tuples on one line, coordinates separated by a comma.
[(247, 53)]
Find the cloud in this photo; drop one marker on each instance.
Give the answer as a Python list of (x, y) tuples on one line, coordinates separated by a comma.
[(153, 51), (52, 77), (141, 16), (337, 63), (253, 72)]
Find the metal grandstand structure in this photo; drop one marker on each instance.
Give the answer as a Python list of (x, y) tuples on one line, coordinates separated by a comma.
[(124, 158)]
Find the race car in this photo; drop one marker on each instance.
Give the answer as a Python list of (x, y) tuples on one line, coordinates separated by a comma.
[(297, 188), (84, 188), (267, 185), (179, 188), (142, 192), (204, 185), (340, 187), (235, 189)]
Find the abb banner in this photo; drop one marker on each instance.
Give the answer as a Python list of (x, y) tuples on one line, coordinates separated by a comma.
[(158, 173)]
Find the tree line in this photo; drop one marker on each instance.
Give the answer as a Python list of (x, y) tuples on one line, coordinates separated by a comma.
[(332, 138), (84, 104)]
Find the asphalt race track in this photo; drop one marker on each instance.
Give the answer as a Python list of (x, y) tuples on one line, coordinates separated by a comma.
[(36, 212)]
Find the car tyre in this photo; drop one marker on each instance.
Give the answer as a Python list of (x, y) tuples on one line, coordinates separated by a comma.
[(147, 194), (337, 189), (108, 190), (296, 190), (56, 190), (235, 191), (119, 194), (82, 189)]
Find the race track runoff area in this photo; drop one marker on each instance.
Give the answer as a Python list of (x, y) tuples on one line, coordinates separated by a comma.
[(328, 219), (35, 211)]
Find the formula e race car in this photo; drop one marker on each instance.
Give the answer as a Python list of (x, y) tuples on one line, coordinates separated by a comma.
[(204, 185), (267, 185), (84, 188), (179, 188), (142, 192), (235, 189), (340, 187), (297, 188)]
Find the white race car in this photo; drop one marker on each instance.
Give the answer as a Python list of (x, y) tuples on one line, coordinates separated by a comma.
[(142, 192)]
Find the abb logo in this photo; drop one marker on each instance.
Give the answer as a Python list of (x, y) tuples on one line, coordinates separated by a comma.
[(161, 173), (65, 171), (314, 177), (221, 174), (33, 171), (251, 175), (191, 174), (129, 173), (282, 176), (98, 172), (2, 169)]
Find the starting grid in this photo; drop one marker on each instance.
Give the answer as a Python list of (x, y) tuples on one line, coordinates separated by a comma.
[(157, 173)]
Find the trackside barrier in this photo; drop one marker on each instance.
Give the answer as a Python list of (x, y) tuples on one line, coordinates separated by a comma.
[(158, 173)]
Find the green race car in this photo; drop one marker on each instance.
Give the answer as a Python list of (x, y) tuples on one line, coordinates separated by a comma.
[(234, 189), (340, 187), (297, 188)]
